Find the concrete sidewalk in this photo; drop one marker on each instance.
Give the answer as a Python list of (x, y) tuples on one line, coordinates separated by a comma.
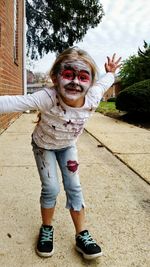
[(117, 199), (129, 143)]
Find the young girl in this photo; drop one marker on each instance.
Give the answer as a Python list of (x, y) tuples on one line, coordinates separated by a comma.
[(64, 109)]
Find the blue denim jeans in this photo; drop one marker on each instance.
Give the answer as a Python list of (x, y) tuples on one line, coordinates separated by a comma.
[(67, 159)]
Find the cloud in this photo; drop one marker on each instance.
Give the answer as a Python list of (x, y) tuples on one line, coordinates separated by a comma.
[(123, 28)]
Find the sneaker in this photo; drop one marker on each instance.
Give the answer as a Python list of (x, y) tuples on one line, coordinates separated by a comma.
[(87, 246), (45, 241)]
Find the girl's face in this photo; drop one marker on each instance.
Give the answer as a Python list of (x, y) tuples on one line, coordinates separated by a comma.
[(74, 79)]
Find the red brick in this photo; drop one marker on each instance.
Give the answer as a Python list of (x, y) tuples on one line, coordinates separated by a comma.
[(11, 75)]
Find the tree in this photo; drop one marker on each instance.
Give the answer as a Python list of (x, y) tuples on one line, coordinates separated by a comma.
[(54, 25), (144, 58), (136, 68), (129, 72)]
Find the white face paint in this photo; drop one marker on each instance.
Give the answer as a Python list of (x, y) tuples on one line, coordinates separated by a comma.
[(74, 79)]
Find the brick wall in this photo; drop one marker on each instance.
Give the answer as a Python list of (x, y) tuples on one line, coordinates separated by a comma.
[(11, 65), (113, 91)]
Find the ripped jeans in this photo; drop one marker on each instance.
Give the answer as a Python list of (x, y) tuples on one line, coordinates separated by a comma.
[(46, 161)]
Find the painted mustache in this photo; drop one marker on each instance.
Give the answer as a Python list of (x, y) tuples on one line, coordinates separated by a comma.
[(73, 86)]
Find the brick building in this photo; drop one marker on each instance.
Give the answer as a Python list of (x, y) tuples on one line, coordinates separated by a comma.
[(113, 91), (12, 62)]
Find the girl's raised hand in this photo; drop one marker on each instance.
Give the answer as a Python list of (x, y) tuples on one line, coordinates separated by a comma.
[(112, 64)]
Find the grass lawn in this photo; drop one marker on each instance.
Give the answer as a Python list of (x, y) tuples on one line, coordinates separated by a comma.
[(107, 108)]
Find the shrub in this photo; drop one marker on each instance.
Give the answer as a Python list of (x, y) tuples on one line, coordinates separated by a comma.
[(112, 99), (135, 98)]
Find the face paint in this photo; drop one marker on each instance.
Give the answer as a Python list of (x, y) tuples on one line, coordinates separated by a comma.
[(70, 75), (74, 79)]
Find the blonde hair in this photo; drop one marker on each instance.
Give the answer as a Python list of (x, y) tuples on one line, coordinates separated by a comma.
[(74, 53)]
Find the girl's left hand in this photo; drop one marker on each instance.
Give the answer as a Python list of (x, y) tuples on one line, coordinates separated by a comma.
[(112, 64)]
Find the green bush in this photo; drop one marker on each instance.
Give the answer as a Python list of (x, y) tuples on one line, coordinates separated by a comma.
[(112, 99), (135, 98)]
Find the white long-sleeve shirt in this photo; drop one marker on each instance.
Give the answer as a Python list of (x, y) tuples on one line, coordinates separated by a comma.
[(60, 125)]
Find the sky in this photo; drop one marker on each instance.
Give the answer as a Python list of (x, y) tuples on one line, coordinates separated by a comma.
[(123, 29)]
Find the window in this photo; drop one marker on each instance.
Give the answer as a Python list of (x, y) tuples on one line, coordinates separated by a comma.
[(16, 31)]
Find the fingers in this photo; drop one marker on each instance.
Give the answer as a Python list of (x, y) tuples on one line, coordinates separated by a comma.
[(118, 66), (108, 60), (113, 59), (118, 60), (112, 64), (106, 66)]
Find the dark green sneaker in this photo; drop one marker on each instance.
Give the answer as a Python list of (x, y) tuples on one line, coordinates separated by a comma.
[(87, 246), (45, 241)]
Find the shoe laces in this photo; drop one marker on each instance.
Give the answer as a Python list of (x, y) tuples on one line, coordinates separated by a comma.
[(47, 235), (87, 239)]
